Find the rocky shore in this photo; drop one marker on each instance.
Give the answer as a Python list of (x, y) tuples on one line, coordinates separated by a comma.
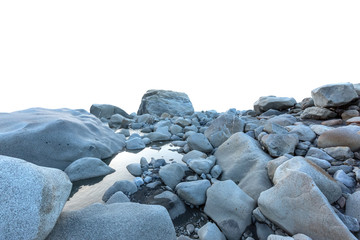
[(283, 170)]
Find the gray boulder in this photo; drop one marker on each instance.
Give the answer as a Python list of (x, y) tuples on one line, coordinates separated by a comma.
[(32, 198), (130, 221), (342, 177), (229, 207), (171, 174), (198, 141), (280, 144), (271, 102), (339, 153), (135, 143), (157, 102), (210, 232), (283, 120), (118, 197), (126, 186), (303, 132), (201, 165), (317, 113), (107, 110), (118, 121), (343, 136), (135, 169), (334, 95), (318, 153), (353, 205), (193, 154), (87, 167), (171, 202), (56, 138), (193, 192), (243, 160)]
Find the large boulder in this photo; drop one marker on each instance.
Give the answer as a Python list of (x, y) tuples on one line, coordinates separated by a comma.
[(107, 110), (297, 205), (56, 138), (317, 113), (271, 102), (130, 221), (280, 144), (171, 174), (198, 141), (243, 160), (193, 192), (348, 136), (334, 95), (157, 102), (32, 198)]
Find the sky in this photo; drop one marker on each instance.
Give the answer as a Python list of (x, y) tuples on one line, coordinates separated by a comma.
[(223, 54)]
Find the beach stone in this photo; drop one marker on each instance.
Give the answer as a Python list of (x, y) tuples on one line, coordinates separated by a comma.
[(118, 121), (193, 154), (280, 144), (118, 197), (243, 160), (303, 132), (348, 136), (320, 129), (198, 141), (107, 110), (176, 129), (183, 122), (270, 127), (171, 174), (201, 165), (271, 102), (341, 176), (334, 95), (332, 122), (126, 186), (138, 181), (283, 120), (279, 237), (145, 118), (87, 167), (157, 102), (56, 138), (300, 236), (134, 169), (263, 231), (216, 171), (350, 222), (171, 202), (349, 114), (193, 192), (317, 113), (210, 232), (323, 180), (353, 121), (320, 162), (319, 153), (223, 127), (306, 103), (339, 153), (274, 164), (32, 198), (297, 205), (353, 205), (130, 221), (135, 144), (230, 207)]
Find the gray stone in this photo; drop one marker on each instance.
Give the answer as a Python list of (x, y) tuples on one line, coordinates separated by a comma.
[(283, 120), (193, 192), (243, 161), (125, 186), (303, 132), (280, 144), (193, 154), (229, 207), (317, 113), (216, 171), (334, 95), (135, 144), (87, 167), (157, 102), (271, 102), (279, 237), (118, 197), (350, 222), (172, 174), (134, 169), (263, 231), (172, 203), (32, 198), (198, 141), (348, 136), (138, 181), (300, 236), (274, 164), (339, 153), (320, 162), (107, 110), (176, 129), (297, 205), (201, 165), (118, 121), (145, 118), (130, 221), (210, 232), (318, 153), (270, 127), (320, 129), (353, 205), (56, 138), (341, 176), (345, 168)]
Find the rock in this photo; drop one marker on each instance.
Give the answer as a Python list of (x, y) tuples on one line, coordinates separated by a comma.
[(32, 198), (348, 114), (334, 95), (297, 205), (139, 181), (56, 138), (193, 154), (229, 207), (198, 141), (283, 120), (350, 222), (270, 127), (263, 231), (323, 180), (193, 192), (222, 128), (145, 118), (87, 167), (301, 236), (159, 136), (117, 121), (107, 110), (339, 153), (176, 129), (130, 221), (274, 164), (341, 176), (303, 132), (243, 161), (134, 169), (210, 232), (306, 103), (345, 168), (318, 153), (343, 136), (201, 165), (320, 162), (353, 205), (280, 144), (172, 174), (317, 113), (171, 202), (157, 102), (320, 129), (353, 121), (279, 237), (125, 186), (216, 171), (118, 197), (135, 144), (271, 102)]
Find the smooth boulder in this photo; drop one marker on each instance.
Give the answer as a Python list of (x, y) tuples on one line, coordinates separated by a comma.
[(317, 113), (348, 136), (107, 110), (271, 102), (32, 198), (198, 141), (193, 192), (171, 174), (334, 95)]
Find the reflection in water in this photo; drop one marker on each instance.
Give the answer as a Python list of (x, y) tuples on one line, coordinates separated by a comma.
[(90, 191)]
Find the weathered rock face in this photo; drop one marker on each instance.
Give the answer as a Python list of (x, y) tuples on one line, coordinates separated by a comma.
[(343, 136), (297, 205), (32, 198), (334, 95), (158, 102), (280, 144), (193, 192), (131, 221), (243, 161), (198, 141), (271, 102), (107, 110), (317, 113), (56, 138)]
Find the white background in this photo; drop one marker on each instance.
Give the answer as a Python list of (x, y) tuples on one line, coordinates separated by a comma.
[(223, 54)]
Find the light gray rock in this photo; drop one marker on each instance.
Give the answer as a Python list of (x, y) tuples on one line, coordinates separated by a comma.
[(216, 171), (323, 180), (303, 132), (274, 164), (341, 176), (198, 141), (32, 198), (222, 128), (229, 207), (135, 144), (172, 203), (320, 129), (348, 136), (297, 205), (334, 95), (300, 236), (145, 118), (263, 231), (87, 167), (280, 144), (317, 113), (56, 138), (130, 221), (193, 154), (201, 165), (350, 222), (320, 162), (318, 153), (172, 174), (353, 205), (118, 197), (271, 102), (270, 127), (279, 237), (107, 110), (210, 232), (339, 153), (243, 161), (158, 136), (157, 102), (134, 169), (193, 192), (176, 129), (283, 120), (125, 186), (118, 121)]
